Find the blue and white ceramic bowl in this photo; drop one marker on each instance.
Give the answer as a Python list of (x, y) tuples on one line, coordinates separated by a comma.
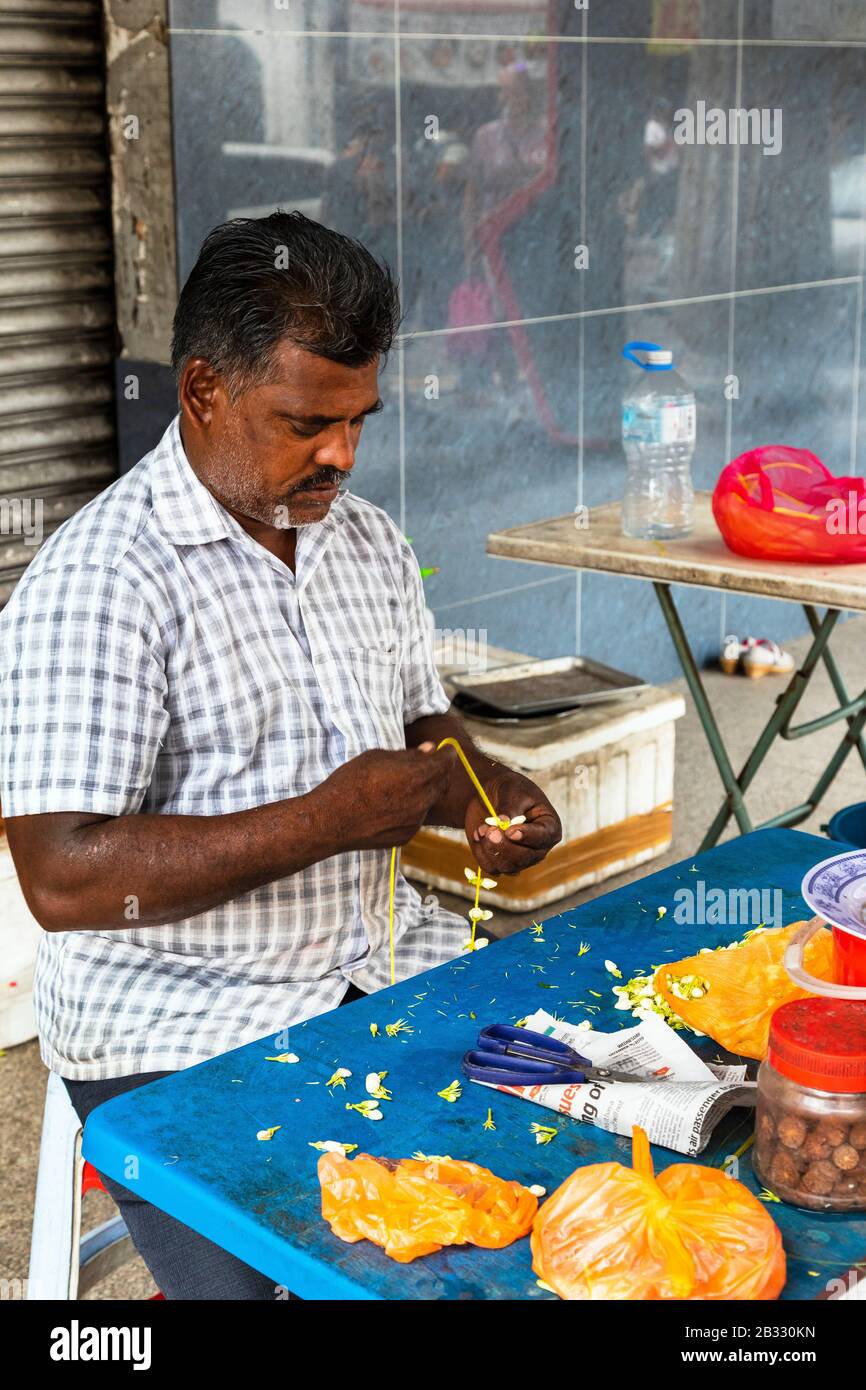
[(835, 890)]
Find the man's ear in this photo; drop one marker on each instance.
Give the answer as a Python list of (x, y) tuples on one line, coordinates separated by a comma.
[(202, 392)]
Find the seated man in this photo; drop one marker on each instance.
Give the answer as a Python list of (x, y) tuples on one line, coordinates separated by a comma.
[(220, 711)]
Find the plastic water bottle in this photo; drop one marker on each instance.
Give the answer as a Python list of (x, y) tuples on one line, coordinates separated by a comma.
[(658, 435)]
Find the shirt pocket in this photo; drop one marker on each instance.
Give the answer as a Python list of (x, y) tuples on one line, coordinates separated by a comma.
[(377, 676)]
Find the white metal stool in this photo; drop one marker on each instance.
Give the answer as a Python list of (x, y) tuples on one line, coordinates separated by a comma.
[(62, 1264)]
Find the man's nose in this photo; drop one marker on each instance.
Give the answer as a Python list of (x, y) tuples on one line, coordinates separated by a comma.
[(337, 449)]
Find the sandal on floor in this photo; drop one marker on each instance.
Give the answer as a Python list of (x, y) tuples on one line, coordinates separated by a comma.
[(766, 658), (732, 650)]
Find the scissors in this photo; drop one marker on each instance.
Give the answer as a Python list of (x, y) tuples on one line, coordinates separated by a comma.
[(507, 1056)]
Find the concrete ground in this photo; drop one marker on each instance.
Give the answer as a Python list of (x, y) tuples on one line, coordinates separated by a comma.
[(741, 706)]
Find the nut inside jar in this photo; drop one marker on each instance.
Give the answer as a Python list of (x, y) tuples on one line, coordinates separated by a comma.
[(816, 1163)]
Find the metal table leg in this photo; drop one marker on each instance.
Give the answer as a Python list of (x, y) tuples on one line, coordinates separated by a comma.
[(734, 802), (853, 711)]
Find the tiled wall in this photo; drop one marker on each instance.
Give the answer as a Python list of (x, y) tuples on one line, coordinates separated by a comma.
[(745, 263)]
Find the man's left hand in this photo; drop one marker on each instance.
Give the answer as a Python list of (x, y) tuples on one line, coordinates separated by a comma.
[(518, 847)]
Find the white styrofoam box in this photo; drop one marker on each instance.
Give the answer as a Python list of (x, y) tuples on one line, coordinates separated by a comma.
[(601, 766), (19, 942)]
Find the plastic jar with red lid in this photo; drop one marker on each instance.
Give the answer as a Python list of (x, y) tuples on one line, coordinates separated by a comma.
[(810, 1122)]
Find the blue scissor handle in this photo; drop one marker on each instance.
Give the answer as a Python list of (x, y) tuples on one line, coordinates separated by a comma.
[(503, 1038), (501, 1070)]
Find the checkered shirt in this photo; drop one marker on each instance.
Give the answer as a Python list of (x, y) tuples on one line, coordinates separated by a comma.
[(156, 659)]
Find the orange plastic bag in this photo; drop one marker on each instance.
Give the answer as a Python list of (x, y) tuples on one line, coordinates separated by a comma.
[(741, 987), (413, 1207), (778, 503), (611, 1232)]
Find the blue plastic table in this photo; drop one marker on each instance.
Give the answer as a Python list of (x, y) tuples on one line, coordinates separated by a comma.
[(193, 1134)]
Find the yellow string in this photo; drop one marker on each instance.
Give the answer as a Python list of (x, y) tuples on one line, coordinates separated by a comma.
[(391, 910), (501, 822), (477, 896)]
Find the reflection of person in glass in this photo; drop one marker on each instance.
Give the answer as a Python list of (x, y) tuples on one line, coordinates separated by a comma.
[(507, 153), (434, 176), (360, 191), (649, 205)]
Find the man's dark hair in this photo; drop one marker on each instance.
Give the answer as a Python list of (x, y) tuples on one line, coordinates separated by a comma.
[(259, 280)]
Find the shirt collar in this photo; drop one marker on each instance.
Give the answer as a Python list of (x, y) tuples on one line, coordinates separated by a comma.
[(189, 514), (186, 511)]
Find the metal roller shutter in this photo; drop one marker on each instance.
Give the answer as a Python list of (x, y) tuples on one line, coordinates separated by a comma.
[(57, 423)]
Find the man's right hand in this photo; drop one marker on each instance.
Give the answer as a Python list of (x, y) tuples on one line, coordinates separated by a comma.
[(79, 871), (382, 797)]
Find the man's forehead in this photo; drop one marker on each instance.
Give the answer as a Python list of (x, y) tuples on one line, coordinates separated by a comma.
[(293, 367)]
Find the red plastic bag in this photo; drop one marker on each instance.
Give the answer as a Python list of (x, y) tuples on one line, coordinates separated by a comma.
[(777, 503), (412, 1207), (611, 1232)]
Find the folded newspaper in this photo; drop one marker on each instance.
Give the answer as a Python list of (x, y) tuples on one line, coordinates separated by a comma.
[(679, 1111)]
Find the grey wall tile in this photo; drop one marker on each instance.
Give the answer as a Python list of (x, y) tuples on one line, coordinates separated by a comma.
[(263, 121), (304, 16), (507, 25), (803, 19), (658, 213), (801, 211), (482, 456), (793, 357), (666, 23), (494, 197)]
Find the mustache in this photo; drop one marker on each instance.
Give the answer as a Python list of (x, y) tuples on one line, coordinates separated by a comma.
[(323, 477)]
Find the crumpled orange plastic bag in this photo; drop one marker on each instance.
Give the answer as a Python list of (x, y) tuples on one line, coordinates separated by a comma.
[(611, 1232), (746, 985), (781, 503), (413, 1207)]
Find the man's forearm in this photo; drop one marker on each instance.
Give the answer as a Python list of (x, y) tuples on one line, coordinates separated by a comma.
[(144, 870), (451, 809)]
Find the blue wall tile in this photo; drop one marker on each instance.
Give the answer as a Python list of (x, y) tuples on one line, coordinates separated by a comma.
[(622, 625), (538, 619)]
